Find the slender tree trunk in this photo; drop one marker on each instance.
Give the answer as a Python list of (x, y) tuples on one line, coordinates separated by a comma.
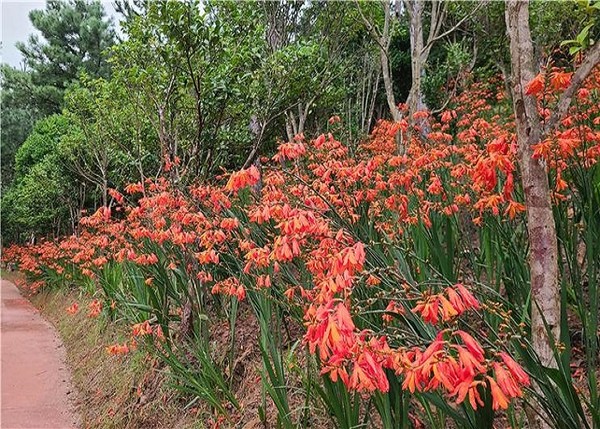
[(543, 252), (389, 89), (289, 128), (367, 126), (384, 38), (104, 190), (505, 76), (415, 12), (302, 115), (384, 43), (540, 221)]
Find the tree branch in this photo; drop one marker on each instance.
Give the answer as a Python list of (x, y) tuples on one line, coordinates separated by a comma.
[(435, 38), (592, 59), (373, 31)]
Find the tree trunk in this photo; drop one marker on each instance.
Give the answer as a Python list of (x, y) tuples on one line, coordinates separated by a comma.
[(384, 39), (104, 190), (543, 252), (384, 43), (415, 12), (540, 221)]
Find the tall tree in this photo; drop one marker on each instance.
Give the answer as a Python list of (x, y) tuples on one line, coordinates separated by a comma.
[(422, 38), (383, 38), (75, 34), (44, 196), (192, 83)]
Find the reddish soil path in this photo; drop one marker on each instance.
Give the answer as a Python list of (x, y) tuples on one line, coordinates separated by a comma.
[(35, 380)]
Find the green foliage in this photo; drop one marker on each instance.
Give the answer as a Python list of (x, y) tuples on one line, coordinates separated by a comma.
[(74, 34), (448, 70), (102, 156), (19, 114), (43, 197), (589, 10), (42, 142), (192, 83), (197, 375)]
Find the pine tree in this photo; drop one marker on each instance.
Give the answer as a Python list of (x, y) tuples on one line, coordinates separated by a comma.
[(75, 35)]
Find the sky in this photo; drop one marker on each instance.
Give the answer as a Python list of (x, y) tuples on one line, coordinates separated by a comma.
[(16, 26)]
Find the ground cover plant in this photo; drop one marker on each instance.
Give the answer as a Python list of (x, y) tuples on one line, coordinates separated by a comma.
[(239, 188), (403, 275)]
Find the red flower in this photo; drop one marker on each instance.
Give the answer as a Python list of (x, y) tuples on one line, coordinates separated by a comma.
[(141, 329), (73, 309), (429, 308), (241, 179), (515, 369), (118, 349), (95, 308), (536, 85)]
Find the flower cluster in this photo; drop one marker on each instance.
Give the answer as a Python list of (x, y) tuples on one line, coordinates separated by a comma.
[(324, 231)]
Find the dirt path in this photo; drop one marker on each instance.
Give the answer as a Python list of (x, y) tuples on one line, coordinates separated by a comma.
[(35, 380)]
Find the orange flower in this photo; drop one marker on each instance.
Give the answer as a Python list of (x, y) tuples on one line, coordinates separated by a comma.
[(467, 297), (542, 150), (560, 80), (392, 308), (118, 349), (73, 309), (95, 308), (536, 85), (513, 208), (469, 387), (421, 114), (472, 345), (368, 374), (141, 329), (263, 281), (158, 333), (448, 115), (448, 310), (334, 119), (241, 179), (208, 257), (506, 382), (499, 400), (290, 151), (372, 280), (515, 369), (429, 308)]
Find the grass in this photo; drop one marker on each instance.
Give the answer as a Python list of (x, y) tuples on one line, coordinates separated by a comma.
[(113, 391), (11, 276)]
